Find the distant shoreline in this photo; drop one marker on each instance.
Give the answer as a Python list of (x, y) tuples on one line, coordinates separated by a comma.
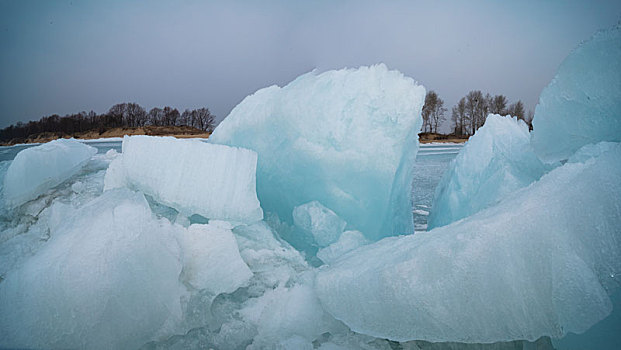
[(427, 137), (178, 132), (175, 131)]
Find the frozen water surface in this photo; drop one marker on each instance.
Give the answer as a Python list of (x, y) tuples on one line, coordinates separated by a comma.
[(432, 161)]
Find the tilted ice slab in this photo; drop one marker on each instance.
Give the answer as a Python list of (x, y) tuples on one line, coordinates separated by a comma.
[(194, 177), (107, 278), (540, 263), (38, 169), (582, 104), (345, 138), (496, 161)]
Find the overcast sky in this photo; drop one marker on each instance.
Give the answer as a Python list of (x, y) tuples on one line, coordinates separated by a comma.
[(68, 56)]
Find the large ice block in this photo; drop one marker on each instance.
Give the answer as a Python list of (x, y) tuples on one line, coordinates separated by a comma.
[(194, 177), (346, 138), (107, 278), (40, 168), (539, 263), (582, 104), (496, 161)]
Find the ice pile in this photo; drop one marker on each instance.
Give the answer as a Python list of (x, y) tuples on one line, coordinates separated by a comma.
[(582, 104), (107, 278), (194, 177), (38, 169), (536, 264), (495, 162), (345, 138)]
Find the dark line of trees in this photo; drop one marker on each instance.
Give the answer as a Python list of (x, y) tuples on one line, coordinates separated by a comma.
[(469, 114), (120, 115), (433, 112)]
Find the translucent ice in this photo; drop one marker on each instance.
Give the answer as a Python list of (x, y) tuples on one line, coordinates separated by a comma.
[(194, 177), (286, 312), (273, 261), (348, 241), (591, 151), (539, 263), (322, 223), (211, 259), (495, 162), (107, 278), (582, 104), (345, 138), (38, 169)]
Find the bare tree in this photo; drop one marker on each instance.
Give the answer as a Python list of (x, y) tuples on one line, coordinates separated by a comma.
[(433, 112), (437, 114), (499, 105), (135, 114), (517, 110), (430, 100), (203, 119), (459, 117), (474, 110), (185, 118), (170, 116), (156, 116)]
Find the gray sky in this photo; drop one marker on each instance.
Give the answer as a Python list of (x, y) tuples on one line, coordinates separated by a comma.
[(67, 56)]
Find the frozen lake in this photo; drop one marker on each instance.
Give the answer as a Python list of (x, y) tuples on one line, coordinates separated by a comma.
[(431, 162)]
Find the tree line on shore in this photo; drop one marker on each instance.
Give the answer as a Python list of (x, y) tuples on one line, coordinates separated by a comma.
[(470, 112), (120, 115), (467, 116)]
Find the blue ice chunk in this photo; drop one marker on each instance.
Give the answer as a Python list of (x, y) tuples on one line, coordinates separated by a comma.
[(346, 138), (582, 104), (38, 169), (496, 161)]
